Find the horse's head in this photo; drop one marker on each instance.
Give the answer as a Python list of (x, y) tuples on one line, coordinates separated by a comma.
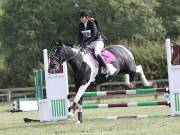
[(61, 53)]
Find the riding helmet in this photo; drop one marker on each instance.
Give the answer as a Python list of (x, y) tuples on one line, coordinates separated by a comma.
[(84, 13)]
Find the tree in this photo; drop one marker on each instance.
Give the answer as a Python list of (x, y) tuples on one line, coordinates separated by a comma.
[(29, 26), (169, 11), (136, 20)]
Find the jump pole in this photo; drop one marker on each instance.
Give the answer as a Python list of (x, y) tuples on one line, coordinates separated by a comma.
[(129, 117), (38, 80), (123, 92), (131, 104)]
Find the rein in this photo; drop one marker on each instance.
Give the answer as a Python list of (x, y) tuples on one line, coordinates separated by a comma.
[(59, 60)]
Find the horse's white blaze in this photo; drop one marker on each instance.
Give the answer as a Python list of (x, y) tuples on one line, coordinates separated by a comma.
[(127, 51)]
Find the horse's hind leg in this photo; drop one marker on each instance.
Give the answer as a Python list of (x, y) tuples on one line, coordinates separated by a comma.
[(143, 78), (127, 79)]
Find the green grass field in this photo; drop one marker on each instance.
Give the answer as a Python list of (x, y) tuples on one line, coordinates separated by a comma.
[(13, 124)]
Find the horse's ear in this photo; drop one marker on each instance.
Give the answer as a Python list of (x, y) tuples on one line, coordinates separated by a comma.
[(55, 43), (60, 42)]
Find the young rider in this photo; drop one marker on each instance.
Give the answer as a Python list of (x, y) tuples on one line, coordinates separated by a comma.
[(89, 35)]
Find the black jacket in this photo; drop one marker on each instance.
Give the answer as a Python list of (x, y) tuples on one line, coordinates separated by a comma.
[(88, 34)]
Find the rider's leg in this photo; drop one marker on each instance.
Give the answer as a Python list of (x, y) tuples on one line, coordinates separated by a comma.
[(102, 61), (99, 45)]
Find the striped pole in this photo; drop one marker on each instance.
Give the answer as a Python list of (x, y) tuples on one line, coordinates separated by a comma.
[(123, 92), (36, 81), (131, 104), (41, 84), (130, 117)]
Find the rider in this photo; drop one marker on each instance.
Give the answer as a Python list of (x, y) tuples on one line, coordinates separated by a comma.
[(89, 35)]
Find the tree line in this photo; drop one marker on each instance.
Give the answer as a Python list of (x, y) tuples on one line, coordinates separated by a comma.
[(29, 26)]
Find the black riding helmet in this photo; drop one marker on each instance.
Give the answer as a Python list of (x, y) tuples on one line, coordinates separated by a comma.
[(84, 13)]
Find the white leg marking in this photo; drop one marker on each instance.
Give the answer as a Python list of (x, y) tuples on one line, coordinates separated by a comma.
[(126, 79), (80, 92), (143, 78)]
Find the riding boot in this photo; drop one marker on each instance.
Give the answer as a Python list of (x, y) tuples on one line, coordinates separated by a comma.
[(103, 63)]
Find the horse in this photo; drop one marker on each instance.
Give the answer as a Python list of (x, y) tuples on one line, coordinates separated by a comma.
[(87, 71)]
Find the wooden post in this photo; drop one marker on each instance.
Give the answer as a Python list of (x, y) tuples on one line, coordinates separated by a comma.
[(156, 95), (98, 89), (9, 95)]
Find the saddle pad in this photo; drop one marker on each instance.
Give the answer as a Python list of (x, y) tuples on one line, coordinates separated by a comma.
[(108, 56)]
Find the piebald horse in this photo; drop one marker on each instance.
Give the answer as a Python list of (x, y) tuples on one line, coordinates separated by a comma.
[(87, 71)]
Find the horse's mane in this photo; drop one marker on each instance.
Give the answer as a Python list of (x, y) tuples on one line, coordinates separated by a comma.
[(74, 46), (69, 44)]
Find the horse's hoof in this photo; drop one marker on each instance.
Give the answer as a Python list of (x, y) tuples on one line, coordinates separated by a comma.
[(69, 117), (130, 86), (78, 122), (150, 83)]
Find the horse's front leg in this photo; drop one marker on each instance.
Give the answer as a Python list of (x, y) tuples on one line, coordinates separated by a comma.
[(80, 109), (127, 81), (79, 94)]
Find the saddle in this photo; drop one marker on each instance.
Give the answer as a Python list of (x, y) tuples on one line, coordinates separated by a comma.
[(107, 55)]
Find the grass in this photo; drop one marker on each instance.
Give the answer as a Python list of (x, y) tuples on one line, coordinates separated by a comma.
[(12, 123)]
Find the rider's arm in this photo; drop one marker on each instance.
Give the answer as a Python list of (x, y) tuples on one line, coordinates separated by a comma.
[(94, 32), (80, 35)]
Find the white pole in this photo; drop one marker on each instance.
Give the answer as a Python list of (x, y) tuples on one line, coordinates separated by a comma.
[(174, 81), (46, 62)]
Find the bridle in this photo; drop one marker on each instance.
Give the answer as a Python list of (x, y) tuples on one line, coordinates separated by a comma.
[(60, 60)]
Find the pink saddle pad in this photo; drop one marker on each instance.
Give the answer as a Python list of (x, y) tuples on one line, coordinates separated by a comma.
[(108, 56)]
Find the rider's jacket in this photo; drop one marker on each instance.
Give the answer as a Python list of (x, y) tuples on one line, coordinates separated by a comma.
[(88, 32)]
